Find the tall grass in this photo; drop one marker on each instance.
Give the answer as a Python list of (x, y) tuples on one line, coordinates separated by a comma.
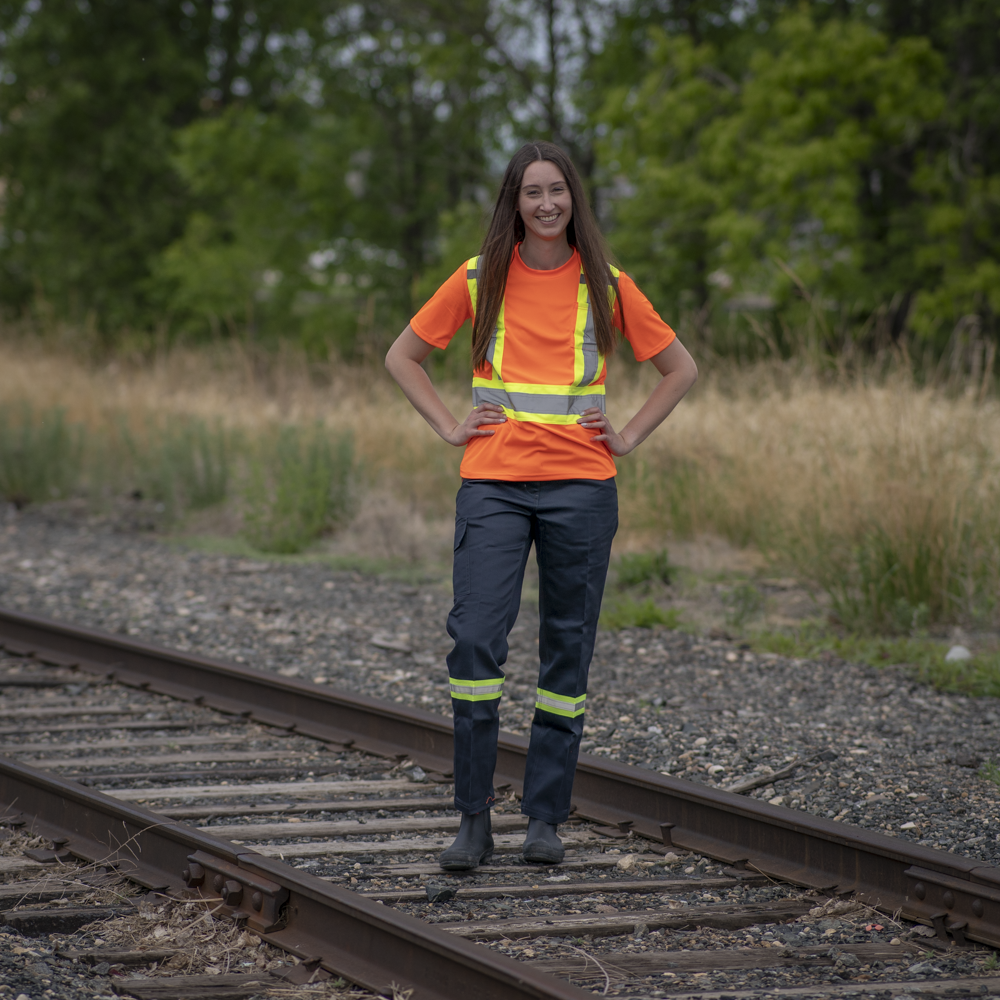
[(880, 492), (885, 495), (298, 485), (40, 454), (181, 463)]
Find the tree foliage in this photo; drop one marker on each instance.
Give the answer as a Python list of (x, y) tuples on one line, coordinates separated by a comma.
[(311, 170)]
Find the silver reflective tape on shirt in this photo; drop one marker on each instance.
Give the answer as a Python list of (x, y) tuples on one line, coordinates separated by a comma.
[(542, 403), (591, 357), (562, 704)]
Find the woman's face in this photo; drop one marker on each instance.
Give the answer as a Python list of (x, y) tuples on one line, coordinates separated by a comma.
[(545, 203)]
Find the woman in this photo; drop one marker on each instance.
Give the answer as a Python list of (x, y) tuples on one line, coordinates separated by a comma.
[(538, 469)]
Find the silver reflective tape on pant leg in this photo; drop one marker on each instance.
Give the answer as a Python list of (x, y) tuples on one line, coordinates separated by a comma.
[(476, 690)]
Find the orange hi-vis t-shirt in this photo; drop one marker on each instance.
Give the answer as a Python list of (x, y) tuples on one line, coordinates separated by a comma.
[(539, 348)]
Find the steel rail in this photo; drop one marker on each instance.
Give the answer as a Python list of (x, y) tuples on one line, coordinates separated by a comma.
[(350, 936), (959, 897)]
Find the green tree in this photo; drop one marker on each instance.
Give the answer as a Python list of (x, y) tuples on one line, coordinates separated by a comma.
[(763, 188), (91, 94), (957, 176), (317, 218)]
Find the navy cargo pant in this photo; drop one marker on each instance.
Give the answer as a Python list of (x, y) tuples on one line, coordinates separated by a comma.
[(571, 523)]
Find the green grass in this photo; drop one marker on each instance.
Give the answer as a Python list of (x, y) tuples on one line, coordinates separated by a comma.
[(990, 772), (636, 568), (628, 613), (40, 455), (298, 485), (400, 570), (979, 676), (184, 464), (743, 603)]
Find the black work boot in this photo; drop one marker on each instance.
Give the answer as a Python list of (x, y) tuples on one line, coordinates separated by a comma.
[(541, 844), (473, 846)]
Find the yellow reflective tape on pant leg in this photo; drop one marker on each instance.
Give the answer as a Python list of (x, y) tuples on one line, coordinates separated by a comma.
[(559, 704), (487, 690)]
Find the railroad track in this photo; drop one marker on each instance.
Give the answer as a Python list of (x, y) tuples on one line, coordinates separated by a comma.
[(143, 789)]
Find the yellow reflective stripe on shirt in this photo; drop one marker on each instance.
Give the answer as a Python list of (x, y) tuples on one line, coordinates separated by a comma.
[(539, 389), (583, 321), (494, 352), (559, 704), (472, 277), (487, 690)]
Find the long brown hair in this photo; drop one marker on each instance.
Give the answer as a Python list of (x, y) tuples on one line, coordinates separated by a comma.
[(507, 230)]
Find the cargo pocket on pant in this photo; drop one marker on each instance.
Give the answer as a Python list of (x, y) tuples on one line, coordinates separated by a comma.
[(462, 569)]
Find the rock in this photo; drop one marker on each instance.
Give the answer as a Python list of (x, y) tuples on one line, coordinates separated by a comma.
[(440, 893), (627, 863), (966, 760), (923, 969), (957, 653), (417, 774)]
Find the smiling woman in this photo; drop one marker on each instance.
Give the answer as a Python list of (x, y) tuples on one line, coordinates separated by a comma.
[(545, 206), (538, 469)]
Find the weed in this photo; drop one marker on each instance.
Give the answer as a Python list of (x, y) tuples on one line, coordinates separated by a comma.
[(182, 464), (635, 568), (979, 676), (743, 603), (298, 485), (990, 772), (990, 963), (627, 613), (40, 455)]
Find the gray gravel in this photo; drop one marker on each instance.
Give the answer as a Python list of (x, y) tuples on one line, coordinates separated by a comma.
[(906, 757)]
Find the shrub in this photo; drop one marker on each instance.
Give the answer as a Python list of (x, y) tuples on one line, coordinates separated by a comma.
[(298, 485)]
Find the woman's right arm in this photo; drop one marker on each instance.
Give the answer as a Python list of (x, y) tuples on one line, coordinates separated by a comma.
[(403, 362)]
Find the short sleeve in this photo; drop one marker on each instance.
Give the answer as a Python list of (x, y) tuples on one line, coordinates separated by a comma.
[(643, 328), (439, 319)]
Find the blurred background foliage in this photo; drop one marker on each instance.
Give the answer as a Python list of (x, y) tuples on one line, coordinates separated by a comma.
[(778, 176)]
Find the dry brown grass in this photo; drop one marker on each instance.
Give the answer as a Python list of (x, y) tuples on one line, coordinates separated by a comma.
[(882, 492)]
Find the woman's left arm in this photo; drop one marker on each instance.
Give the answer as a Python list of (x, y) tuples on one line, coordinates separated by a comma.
[(679, 373)]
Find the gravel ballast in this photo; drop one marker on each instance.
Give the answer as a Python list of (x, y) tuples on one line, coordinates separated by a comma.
[(901, 757)]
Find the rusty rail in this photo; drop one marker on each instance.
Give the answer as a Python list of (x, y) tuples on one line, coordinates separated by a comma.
[(323, 925), (959, 897)]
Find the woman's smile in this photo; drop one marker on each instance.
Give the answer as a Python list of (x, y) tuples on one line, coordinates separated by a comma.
[(544, 203)]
